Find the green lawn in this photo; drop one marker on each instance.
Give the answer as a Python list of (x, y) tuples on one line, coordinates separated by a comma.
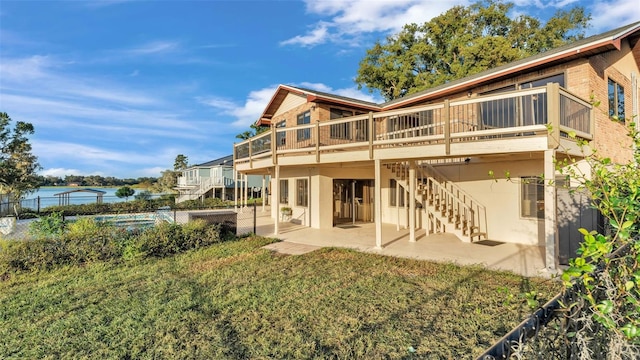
[(238, 301)]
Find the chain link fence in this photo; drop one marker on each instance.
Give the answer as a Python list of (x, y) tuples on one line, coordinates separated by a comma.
[(239, 221)]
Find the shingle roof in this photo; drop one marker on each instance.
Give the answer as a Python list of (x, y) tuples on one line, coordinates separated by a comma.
[(227, 160), (568, 49), (334, 96)]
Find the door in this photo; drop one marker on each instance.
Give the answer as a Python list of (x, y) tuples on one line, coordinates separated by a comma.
[(352, 201), (574, 212)]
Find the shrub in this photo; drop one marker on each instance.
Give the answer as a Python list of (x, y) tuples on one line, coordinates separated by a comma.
[(167, 239), (48, 226)]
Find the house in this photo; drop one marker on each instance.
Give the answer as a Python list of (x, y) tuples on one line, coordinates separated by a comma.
[(217, 179), (425, 161)]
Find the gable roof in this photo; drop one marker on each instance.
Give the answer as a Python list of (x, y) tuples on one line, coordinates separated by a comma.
[(610, 40), (311, 96), (226, 160), (592, 45)]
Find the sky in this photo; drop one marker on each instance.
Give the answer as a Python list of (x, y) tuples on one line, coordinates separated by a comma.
[(120, 88)]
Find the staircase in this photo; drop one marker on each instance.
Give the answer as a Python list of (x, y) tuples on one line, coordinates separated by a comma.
[(447, 207), (197, 190)]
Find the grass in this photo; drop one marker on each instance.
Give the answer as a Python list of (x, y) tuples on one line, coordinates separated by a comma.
[(238, 301)]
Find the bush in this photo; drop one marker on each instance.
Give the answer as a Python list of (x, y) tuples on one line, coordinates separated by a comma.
[(48, 226), (87, 240), (167, 239)]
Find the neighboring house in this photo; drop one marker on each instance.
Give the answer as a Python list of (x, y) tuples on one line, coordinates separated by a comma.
[(423, 161), (216, 179)]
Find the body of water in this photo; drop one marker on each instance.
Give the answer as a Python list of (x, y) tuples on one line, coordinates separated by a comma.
[(48, 198)]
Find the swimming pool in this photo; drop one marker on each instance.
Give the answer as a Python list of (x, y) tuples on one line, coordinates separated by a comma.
[(130, 221)]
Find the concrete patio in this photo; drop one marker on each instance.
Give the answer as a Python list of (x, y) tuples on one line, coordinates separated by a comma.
[(520, 259)]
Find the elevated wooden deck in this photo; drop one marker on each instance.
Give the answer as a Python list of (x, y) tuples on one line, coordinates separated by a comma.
[(520, 121)]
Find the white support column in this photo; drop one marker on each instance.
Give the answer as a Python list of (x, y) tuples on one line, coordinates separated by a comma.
[(378, 204), (235, 190), (397, 206), (550, 224), (276, 199), (264, 192), (223, 194), (412, 201), (246, 189)]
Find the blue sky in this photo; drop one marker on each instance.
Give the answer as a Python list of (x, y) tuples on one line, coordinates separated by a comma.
[(119, 88)]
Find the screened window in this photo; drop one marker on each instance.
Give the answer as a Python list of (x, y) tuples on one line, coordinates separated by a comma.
[(281, 136), (532, 197), (616, 100), (284, 191), (411, 125), (302, 192), (392, 194), (303, 119), (340, 131)]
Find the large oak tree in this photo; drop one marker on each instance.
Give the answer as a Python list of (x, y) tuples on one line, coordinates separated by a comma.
[(462, 41)]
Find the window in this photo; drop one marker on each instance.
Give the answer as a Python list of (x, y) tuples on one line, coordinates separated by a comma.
[(532, 197), (616, 100), (340, 131), (302, 192), (303, 119), (281, 138), (392, 194), (411, 125), (284, 191), (518, 111)]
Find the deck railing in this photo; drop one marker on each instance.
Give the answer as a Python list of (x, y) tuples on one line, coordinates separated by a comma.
[(528, 112)]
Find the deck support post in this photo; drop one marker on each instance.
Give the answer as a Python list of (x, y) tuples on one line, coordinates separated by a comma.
[(397, 205), (550, 225), (263, 195), (378, 204), (246, 189), (235, 190), (412, 201), (276, 200)]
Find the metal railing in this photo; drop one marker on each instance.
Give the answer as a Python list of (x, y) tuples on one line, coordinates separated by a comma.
[(516, 113)]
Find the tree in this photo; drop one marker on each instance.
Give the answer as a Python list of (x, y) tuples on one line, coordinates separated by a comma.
[(125, 192), (461, 42), (255, 130), (166, 182), (181, 162), (18, 165), (606, 273)]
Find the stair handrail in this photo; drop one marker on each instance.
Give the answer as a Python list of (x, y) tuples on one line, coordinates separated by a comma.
[(446, 194), (458, 192)]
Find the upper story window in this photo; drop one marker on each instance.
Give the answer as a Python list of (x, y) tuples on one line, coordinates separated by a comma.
[(616, 100), (518, 111), (303, 119), (340, 131), (281, 137)]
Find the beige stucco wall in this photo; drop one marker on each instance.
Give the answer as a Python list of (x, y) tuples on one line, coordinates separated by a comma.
[(501, 198)]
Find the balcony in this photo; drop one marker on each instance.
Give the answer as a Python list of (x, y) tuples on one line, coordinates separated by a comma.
[(522, 120)]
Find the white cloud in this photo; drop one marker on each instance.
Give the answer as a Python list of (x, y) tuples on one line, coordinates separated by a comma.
[(608, 15), (59, 172), (44, 75), (155, 47), (351, 92), (350, 19), (247, 113), (316, 36)]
